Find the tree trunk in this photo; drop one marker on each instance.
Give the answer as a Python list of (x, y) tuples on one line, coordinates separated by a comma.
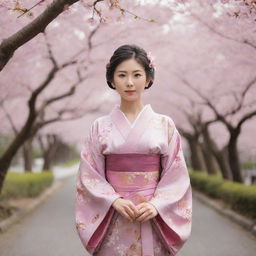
[(234, 158), (6, 158), (196, 158), (28, 155), (48, 146), (47, 162), (208, 158), (221, 156), (222, 160)]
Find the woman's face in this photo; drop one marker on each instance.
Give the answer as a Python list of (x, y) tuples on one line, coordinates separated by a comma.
[(130, 76)]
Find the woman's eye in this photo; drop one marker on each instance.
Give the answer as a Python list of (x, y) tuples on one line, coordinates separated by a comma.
[(122, 75)]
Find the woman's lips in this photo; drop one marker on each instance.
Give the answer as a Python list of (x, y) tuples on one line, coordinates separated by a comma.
[(130, 92)]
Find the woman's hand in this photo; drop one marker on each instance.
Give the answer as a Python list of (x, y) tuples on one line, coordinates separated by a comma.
[(146, 211), (126, 208)]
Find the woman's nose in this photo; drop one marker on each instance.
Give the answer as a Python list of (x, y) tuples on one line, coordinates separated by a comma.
[(130, 82)]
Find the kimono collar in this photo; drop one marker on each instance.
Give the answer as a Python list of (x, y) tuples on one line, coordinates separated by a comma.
[(131, 132)]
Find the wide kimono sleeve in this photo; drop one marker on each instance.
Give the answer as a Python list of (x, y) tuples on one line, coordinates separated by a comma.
[(173, 195), (94, 195)]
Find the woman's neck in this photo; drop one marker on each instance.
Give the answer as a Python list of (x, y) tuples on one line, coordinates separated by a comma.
[(131, 108)]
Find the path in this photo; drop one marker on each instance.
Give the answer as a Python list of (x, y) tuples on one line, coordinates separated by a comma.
[(50, 230)]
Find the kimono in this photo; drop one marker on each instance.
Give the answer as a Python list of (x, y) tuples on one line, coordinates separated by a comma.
[(142, 162)]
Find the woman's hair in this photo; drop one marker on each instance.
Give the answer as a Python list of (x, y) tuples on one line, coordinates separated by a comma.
[(126, 52)]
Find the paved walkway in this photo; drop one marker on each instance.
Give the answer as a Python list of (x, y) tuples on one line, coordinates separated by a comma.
[(50, 230), (215, 235)]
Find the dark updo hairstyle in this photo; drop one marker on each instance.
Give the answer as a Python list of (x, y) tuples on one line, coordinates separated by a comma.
[(126, 52)]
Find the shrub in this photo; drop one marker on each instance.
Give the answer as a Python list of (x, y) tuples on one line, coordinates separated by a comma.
[(17, 185), (240, 197), (199, 180)]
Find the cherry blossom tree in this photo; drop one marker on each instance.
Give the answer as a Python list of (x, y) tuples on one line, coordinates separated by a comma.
[(37, 116), (49, 13), (192, 60), (43, 101), (236, 106)]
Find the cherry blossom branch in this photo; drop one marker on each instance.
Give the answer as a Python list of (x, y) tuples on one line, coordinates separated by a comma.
[(25, 10), (240, 102), (245, 41), (9, 45), (218, 115), (245, 118), (38, 25)]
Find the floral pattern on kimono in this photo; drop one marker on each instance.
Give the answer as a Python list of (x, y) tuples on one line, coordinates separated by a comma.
[(173, 195), (94, 195), (100, 227)]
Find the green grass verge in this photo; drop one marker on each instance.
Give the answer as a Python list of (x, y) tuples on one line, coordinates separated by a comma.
[(240, 197), (18, 185)]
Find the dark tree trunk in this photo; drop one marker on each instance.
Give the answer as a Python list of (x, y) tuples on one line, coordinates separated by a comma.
[(208, 159), (49, 145), (47, 163), (196, 157), (23, 135), (221, 156), (233, 157), (222, 160), (28, 155)]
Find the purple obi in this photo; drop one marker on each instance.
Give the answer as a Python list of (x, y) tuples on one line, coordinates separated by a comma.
[(133, 176)]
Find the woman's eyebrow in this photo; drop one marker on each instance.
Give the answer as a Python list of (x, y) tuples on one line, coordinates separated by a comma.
[(133, 71)]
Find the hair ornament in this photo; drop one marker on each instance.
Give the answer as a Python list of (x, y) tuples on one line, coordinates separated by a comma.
[(151, 60)]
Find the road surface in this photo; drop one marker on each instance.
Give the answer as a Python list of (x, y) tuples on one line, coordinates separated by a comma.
[(50, 231)]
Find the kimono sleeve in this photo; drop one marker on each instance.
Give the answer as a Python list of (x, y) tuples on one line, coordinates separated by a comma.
[(94, 195), (173, 195)]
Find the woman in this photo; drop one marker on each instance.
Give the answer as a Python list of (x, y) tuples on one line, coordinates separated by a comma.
[(133, 189)]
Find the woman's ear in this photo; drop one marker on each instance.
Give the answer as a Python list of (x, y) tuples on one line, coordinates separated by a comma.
[(147, 83)]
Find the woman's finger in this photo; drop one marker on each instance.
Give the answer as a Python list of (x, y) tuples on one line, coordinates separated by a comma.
[(142, 210), (124, 214), (134, 209), (143, 216), (129, 211), (139, 206), (150, 216)]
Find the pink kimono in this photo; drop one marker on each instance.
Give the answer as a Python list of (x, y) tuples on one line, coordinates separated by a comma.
[(142, 162)]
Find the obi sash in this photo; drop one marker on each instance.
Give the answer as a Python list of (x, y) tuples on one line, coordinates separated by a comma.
[(135, 177)]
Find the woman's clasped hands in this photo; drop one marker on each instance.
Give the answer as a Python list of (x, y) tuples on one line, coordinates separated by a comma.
[(141, 212)]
